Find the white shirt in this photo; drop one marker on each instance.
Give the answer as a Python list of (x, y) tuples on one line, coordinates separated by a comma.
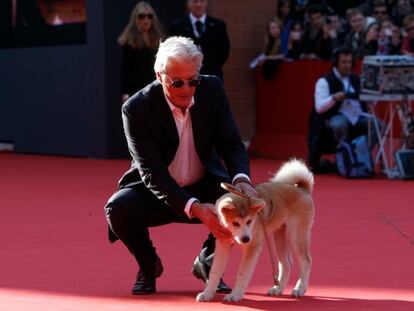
[(194, 20), (186, 168), (351, 108)]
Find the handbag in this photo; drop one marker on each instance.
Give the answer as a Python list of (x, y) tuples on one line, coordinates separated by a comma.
[(354, 159)]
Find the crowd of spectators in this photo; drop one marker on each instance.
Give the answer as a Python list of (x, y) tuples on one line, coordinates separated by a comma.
[(313, 29)]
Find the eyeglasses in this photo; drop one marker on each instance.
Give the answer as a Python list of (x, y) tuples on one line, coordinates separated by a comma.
[(177, 83), (142, 16), (380, 12)]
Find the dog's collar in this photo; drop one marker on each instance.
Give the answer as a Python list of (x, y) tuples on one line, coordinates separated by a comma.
[(233, 189)]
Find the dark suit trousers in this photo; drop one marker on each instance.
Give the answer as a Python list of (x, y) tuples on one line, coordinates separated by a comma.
[(130, 211)]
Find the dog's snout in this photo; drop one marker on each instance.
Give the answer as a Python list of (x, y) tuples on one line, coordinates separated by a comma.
[(245, 239)]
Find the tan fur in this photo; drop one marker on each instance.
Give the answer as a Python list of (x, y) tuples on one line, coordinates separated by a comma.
[(287, 207)]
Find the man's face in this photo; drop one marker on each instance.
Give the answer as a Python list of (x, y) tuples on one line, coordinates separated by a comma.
[(197, 7), (316, 20), (179, 70), (335, 22), (357, 22), (380, 13), (344, 66)]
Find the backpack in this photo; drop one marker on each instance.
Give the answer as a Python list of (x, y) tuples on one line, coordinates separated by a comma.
[(354, 159)]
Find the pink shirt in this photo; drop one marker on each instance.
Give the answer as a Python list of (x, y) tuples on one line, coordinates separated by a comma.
[(186, 168)]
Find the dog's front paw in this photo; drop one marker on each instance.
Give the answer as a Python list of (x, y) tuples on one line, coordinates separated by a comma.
[(300, 292), (204, 296), (275, 291), (233, 297)]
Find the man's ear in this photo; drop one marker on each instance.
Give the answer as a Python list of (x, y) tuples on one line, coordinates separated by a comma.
[(159, 78), (257, 204)]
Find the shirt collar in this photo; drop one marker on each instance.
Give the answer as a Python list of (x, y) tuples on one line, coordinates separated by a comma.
[(338, 75), (173, 107), (201, 19)]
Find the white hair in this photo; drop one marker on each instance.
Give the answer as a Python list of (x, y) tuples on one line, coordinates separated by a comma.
[(179, 48)]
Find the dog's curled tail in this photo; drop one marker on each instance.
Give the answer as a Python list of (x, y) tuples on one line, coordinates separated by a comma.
[(294, 172)]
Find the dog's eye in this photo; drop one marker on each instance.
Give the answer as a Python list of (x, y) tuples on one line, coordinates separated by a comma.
[(249, 222), (236, 224)]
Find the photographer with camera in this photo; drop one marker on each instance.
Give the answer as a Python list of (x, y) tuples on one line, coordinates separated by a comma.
[(337, 108)]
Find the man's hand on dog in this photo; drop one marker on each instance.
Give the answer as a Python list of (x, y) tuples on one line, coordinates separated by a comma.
[(247, 188), (205, 212)]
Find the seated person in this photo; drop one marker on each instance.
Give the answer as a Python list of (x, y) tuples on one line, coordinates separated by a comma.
[(337, 109)]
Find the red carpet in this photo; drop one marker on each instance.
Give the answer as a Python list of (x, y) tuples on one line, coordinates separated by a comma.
[(55, 256)]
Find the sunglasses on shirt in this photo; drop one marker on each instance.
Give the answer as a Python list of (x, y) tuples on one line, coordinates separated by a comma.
[(142, 16), (177, 83)]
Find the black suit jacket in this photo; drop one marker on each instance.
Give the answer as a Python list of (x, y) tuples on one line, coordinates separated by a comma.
[(153, 139), (214, 42)]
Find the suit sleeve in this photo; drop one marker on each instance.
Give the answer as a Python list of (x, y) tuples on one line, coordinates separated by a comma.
[(225, 44), (148, 159)]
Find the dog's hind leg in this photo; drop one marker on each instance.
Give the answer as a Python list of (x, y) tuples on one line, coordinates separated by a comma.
[(285, 262), (221, 257), (299, 240), (251, 253)]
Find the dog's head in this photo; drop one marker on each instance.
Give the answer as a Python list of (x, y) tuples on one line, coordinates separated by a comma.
[(239, 215)]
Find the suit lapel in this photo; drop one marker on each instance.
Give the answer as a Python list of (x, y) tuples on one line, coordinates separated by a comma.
[(198, 117), (189, 28), (164, 115), (209, 25)]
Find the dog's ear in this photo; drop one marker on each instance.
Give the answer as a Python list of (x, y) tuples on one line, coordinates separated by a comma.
[(225, 211), (257, 204), (227, 207)]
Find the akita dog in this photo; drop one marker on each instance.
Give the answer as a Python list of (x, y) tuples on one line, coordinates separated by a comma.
[(286, 208)]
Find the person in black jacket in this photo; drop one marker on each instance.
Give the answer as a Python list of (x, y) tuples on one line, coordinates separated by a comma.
[(139, 41), (209, 33), (337, 108), (184, 142)]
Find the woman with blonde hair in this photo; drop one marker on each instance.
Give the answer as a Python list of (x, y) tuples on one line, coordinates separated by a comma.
[(139, 41), (272, 48)]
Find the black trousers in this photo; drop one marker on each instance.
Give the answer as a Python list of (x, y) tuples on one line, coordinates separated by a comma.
[(131, 211)]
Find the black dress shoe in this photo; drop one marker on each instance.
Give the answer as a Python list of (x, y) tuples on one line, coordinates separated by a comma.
[(145, 283), (223, 287), (201, 271)]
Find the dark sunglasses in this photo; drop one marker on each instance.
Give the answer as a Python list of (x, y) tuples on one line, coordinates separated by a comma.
[(177, 83), (142, 16)]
